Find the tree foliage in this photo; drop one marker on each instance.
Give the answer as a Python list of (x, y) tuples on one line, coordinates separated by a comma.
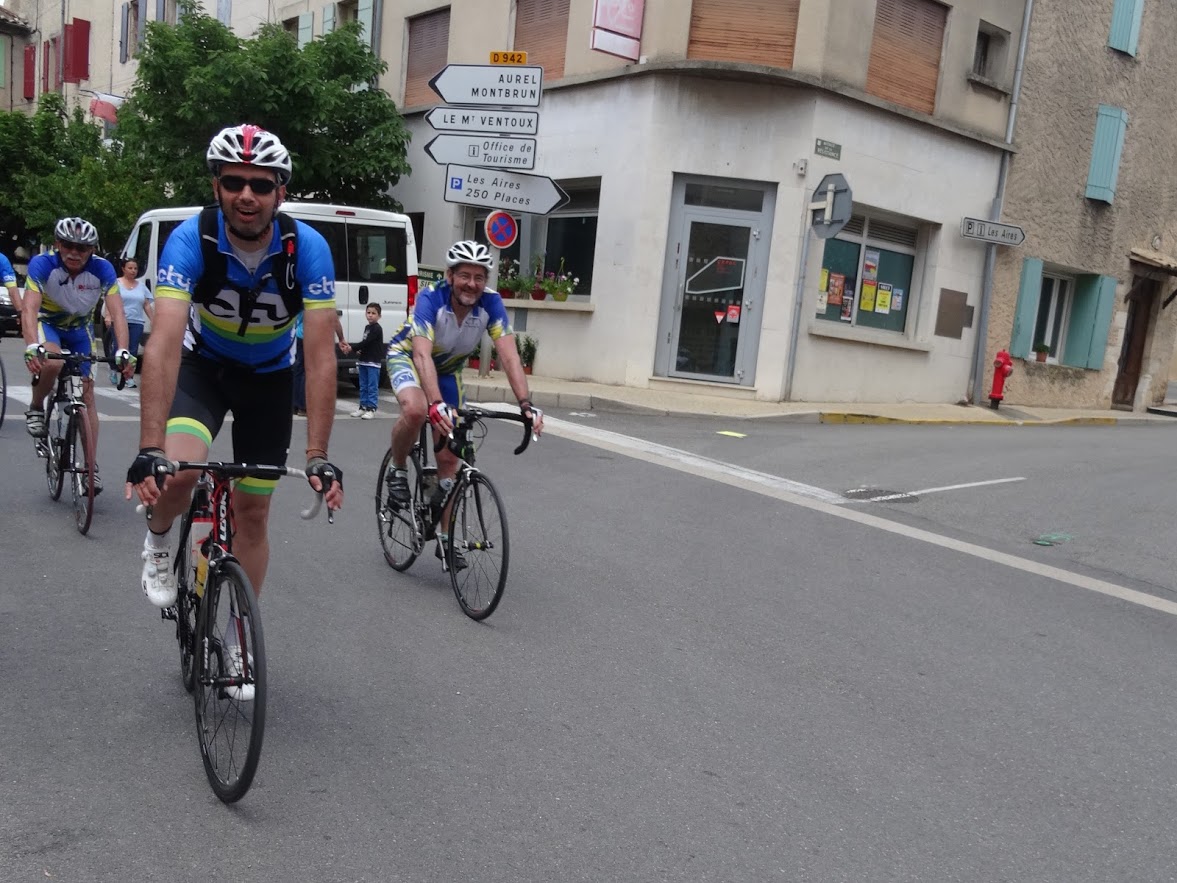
[(347, 140)]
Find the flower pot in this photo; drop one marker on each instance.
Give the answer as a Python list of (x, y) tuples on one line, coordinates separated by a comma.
[(474, 363), (506, 293), (1041, 356), (526, 369), (560, 295), (538, 293)]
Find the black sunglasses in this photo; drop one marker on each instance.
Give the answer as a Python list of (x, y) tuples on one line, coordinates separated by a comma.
[(260, 186)]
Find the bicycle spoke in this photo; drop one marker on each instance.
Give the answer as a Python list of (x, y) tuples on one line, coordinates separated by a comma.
[(399, 528), (478, 530)]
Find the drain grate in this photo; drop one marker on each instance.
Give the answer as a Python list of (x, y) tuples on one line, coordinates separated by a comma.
[(879, 495)]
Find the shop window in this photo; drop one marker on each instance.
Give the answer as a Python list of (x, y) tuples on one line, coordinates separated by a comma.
[(866, 275), (541, 30), (904, 65), (1069, 313), (429, 41), (748, 31)]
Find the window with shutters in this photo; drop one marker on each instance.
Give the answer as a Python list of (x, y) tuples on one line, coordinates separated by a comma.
[(905, 52), (1067, 313), (348, 11), (429, 41), (749, 31), (541, 30), (134, 28), (867, 274)]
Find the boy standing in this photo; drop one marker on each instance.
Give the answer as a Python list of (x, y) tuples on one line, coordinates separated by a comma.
[(368, 355)]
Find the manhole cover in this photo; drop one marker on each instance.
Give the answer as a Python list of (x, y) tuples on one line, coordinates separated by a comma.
[(879, 495)]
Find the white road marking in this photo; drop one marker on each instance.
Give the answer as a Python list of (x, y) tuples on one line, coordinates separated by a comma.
[(932, 490)]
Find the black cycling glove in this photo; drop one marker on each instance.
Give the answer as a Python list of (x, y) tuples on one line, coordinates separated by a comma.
[(151, 462), (318, 467)]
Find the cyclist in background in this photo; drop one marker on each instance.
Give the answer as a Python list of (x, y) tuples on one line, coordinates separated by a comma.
[(8, 280), (426, 355), (229, 349), (61, 291)]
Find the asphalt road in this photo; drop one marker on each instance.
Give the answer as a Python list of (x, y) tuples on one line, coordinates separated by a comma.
[(697, 673)]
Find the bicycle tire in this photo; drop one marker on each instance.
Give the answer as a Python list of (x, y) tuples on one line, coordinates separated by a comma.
[(55, 453), (230, 728), (81, 469), (478, 528), (187, 606), (3, 394), (399, 529)]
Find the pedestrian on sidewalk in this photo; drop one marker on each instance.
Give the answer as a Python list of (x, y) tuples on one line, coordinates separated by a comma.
[(138, 306), (369, 352)]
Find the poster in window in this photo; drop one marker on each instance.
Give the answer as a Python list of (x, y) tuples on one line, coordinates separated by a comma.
[(897, 299), (847, 307), (866, 302), (870, 266), (837, 285), (825, 280), (823, 300), (883, 298)]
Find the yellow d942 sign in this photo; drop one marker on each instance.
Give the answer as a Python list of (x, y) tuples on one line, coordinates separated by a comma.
[(504, 57)]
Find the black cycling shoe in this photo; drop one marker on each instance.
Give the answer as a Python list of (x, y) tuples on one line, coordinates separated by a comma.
[(398, 488), (459, 558)]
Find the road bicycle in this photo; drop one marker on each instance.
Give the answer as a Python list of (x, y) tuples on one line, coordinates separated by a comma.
[(68, 447), (478, 553), (219, 627)]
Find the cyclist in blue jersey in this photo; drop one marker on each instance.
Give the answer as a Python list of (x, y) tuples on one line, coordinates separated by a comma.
[(61, 292), (229, 349), (8, 280), (426, 355)]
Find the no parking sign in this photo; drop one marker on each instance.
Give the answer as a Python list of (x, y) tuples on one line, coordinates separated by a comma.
[(501, 229)]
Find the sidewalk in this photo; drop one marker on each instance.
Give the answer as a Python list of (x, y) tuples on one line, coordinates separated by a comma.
[(549, 392)]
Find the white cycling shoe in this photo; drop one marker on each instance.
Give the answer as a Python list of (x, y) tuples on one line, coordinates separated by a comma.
[(234, 669), (159, 583)]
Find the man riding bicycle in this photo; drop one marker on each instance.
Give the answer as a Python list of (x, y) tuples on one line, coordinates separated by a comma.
[(426, 356), (221, 345), (61, 292)]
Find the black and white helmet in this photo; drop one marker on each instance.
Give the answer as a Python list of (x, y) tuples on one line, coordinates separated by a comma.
[(77, 231), (468, 252), (251, 145)]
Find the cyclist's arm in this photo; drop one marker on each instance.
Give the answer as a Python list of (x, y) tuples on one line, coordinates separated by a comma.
[(29, 310), (14, 296), (118, 317), (161, 367), (513, 366), (318, 336)]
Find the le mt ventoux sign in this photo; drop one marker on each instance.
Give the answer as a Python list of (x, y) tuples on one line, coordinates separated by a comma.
[(490, 85)]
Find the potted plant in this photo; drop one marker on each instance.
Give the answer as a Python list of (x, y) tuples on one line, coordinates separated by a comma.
[(509, 278), (538, 292), (1043, 350), (474, 362), (527, 346), (560, 284)]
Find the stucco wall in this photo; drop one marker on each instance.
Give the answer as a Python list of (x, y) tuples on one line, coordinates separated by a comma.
[(1070, 70)]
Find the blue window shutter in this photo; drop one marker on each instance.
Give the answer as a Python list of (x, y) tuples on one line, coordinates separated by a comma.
[(1091, 317), (329, 18), (225, 12), (364, 14), (1110, 125), (306, 26), (161, 10), (1125, 33), (124, 50), (1026, 314)]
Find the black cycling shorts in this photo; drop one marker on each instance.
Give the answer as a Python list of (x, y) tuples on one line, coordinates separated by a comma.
[(261, 405)]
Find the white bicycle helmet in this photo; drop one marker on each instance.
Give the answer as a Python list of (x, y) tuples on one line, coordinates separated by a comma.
[(468, 252), (76, 230), (251, 145)]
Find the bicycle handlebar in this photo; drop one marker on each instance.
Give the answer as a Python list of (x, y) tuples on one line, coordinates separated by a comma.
[(76, 359), (480, 414), (252, 470)]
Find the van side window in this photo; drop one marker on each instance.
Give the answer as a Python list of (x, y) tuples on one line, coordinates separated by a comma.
[(378, 254), (166, 228), (336, 241), (142, 250)]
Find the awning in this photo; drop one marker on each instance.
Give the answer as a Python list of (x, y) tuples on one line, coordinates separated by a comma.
[(1155, 259)]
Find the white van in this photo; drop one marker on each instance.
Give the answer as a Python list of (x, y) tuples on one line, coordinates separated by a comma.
[(375, 259)]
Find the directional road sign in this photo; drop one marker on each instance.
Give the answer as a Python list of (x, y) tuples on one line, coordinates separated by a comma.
[(493, 151), (490, 188), (991, 231), (501, 229), (832, 206), (469, 119), (516, 85)]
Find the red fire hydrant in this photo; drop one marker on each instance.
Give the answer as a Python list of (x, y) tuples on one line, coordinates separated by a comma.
[(1003, 366)]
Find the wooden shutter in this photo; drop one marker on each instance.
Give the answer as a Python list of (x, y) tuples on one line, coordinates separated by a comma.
[(541, 30), (1026, 313), (750, 31), (365, 13), (329, 18), (30, 91), (429, 43), (1111, 123), (905, 52), (1090, 321), (77, 51)]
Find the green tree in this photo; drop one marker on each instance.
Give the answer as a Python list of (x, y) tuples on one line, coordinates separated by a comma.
[(346, 138)]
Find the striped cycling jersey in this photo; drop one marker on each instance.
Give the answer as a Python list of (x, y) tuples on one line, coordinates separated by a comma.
[(69, 301), (433, 317), (7, 274), (268, 341)]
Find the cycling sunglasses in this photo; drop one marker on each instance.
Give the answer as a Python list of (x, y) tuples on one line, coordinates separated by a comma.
[(260, 186)]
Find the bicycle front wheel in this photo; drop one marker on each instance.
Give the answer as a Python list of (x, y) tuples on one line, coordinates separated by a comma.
[(3, 394), (479, 550), (82, 469), (399, 526), (56, 445), (187, 605), (231, 681)]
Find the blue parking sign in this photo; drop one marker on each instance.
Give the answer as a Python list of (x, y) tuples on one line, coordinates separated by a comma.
[(455, 183)]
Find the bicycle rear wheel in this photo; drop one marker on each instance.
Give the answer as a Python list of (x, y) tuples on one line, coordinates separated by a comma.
[(187, 605), (399, 527), (81, 468), (55, 447), (230, 704), (3, 394), (478, 531)]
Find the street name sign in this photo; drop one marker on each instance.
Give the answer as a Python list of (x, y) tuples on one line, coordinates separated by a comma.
[(831, 206), (516, 85), (490, 188), (501, 56), (469, 119), (492, 151), (992, 231)]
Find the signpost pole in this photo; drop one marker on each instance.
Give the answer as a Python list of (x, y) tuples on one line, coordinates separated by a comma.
[(492, 281)]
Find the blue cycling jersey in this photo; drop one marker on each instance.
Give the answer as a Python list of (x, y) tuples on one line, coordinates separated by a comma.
[(434, 318), (68, 301), (7, 274), (268, 341)]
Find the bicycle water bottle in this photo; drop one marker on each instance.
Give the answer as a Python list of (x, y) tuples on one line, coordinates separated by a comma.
[(199, 536), (439, 495), (429, 482)]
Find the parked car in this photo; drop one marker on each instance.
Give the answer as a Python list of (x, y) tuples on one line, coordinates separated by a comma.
[(9, 319)]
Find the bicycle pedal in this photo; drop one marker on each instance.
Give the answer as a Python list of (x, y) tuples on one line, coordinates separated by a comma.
[(169, 613)]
